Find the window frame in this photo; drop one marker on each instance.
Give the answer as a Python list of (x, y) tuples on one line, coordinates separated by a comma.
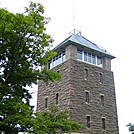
[(89, 58), (102, 100), (58, 59), (46, 102), (87, 96), (79, 52), (86, 73), (103, 119), (101, 78), (99, 59), (57, 98), (88, 121)]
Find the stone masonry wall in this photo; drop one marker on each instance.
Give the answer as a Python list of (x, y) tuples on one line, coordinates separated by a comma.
[(72, 88), (80, 109), (107, 63), (62, 87)]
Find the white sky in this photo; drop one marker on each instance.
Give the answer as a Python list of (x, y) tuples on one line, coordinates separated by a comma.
[(108, 23)]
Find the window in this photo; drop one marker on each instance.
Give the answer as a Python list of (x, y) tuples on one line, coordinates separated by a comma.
[(58, 71), (102, 99), (57, 98), (63, 57), (54, 61), (59, 58), (90, 58), (85, 57), (87, 97), (99, 61), (88, 121), (50, 64), (79, 55), (46, 101), (103, 123), (100, 77), (94, 59), (85, 74)]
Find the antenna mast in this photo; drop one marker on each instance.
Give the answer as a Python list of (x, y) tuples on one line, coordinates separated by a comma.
[(73, 14), (74, 31)]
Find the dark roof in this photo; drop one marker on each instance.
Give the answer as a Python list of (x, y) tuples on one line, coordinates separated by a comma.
[(82, 41)]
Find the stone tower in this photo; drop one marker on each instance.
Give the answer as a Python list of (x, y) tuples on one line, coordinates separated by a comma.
[(87, 86)]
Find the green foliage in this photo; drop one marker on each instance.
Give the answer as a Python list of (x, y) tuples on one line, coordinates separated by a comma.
[(55, 121), (24, 47), (16, 116), (131, 127)]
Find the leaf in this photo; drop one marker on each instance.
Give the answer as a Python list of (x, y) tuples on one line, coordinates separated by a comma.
[(24, 48)]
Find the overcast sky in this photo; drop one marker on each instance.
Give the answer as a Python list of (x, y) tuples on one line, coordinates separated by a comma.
[(108, 23)]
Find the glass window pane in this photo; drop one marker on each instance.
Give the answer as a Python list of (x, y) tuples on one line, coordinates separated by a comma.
[(85, 56), (102, 100), (79, 55), (85, 74), (88, 121), (60, 60), (89, 58), (57, 98), (101, 78), (63, 57), (99, 61), (103, 123), (46, 101), (93, 59), (87, 97), (50, 64), (55, 61)]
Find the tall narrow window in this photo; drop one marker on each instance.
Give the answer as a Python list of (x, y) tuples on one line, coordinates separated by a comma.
[(50, 64), (46, 101), (94, 59), (79, 54), (89, 58), (85, 56), (99, 61), (85, 74), (87, 97), (88, 121), (103, 123), (102, 99), (100, 77), (57, 98), (63, 57)]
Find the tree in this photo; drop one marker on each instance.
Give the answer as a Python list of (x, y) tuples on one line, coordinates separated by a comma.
[(24, 47), (131, 127), (55, 121)]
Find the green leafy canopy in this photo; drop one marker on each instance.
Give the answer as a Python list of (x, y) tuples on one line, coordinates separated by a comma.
[(55, 121), (24, 47)]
